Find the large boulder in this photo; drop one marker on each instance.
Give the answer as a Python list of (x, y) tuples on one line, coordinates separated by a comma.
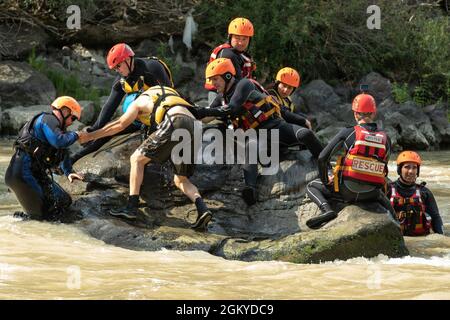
[(21, 85), (409, 126), (272, 229), (88, 114), (13, 119), (438, 114), (379, 87), (319, 96), (18, 40)]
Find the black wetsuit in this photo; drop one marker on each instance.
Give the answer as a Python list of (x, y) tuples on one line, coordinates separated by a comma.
[(431, 207), (235, 57), (289, 134), (319, 191), (287, 110), (154, 74), (27, 176)]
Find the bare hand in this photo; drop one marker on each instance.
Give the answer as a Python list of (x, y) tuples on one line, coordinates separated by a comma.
[(74, 176), (308, 124), (83, 137)]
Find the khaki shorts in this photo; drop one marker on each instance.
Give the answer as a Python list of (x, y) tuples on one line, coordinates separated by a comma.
[(158, 146)]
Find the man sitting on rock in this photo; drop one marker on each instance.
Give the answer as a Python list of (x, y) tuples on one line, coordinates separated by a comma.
[(360, 172), (162, 107), (249, 106), (413, 203)]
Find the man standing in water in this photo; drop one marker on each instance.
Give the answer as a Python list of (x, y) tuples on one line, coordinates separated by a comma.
[(41, 147), (414, 204)]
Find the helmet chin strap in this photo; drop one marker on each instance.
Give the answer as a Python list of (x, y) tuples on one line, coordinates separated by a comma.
[(129, 65), (63, 125)]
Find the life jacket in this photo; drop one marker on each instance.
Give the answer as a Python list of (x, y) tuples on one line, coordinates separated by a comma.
[(410, 212), (246, 69), (283, 102), (44, 153), (365, 161), (257, 112), (164, 98), (140, 85)]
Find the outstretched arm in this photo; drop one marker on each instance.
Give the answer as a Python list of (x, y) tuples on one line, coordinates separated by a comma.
[(117, 125)]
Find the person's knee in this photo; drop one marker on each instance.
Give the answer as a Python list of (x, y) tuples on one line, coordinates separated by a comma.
[(137, 158), (179, 180)]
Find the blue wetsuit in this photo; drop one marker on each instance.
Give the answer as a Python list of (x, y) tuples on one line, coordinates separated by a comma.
[(41, 146)]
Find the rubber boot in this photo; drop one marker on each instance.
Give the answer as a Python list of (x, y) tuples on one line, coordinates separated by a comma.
[(327, 215)]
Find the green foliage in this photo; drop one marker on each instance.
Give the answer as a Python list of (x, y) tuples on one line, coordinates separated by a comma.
[(400, 92), (66, 84), (330, 39), (164, 55)]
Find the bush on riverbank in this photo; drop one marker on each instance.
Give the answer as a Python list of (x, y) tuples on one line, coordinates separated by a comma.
[(67, 84), (330, 40)]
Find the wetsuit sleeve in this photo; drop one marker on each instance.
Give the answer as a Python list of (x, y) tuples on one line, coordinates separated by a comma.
[(292, 117), (234, 57), (432, 210), (110, 106), (54, 135), (240, 96), (155, 74), (66, 165), (331, 149)]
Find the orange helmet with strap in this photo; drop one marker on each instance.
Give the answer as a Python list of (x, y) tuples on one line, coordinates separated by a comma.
[(222, 66), (364, 103), (289, 76), (70, 103), (408, 156), (118, 54), (241, 27)]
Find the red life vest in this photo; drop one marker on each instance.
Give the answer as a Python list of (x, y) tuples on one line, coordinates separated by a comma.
[(257, 112), (366, 159), (247, 68), (411, 213)]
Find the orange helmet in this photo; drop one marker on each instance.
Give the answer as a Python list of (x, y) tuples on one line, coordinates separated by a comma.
[(68, 102), (220, 67), (241, 27), (289, 76), (408, 156), (118, 53), (364, 103)]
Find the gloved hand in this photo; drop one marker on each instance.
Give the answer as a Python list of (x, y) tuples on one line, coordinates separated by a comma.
[(200, 113)]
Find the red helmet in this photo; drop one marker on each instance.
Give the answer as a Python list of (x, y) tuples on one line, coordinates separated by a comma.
[(364, 103), (118, 54)]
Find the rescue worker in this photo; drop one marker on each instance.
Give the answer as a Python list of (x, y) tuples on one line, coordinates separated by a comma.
[(249, 106), (240, 32), (286, 81), (360, 171), (414, 204), (41, 147), (162, 107), (134, 75)]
